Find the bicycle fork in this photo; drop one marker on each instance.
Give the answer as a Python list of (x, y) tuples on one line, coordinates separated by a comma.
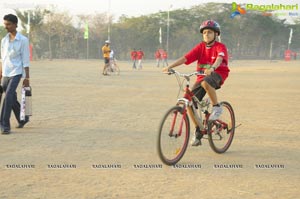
[(189, 109), (180, 126)]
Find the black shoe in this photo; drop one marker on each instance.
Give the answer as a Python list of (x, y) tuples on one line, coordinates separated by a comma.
[(197, 137), (5, 132), (22, 124)]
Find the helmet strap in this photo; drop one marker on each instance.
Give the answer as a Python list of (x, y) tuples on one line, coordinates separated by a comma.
[(209, 44)]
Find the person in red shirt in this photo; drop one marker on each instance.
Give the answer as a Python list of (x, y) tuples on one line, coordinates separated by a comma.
[(212, 59), (157, 57), (133, 58), (139, 57), (164, 57)]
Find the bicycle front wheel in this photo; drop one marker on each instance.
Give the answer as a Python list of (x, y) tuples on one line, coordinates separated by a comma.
[(173, 137), (109, 70), (221, 131), (117, 70)]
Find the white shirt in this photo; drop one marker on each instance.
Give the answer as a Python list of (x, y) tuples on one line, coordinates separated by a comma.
[(111, 54), (14, 55)]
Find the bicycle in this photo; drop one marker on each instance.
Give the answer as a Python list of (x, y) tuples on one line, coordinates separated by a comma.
[(174, 129), (113, 68)]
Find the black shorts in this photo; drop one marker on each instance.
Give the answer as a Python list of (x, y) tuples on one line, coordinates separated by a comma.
[(106, 60), (214, 80)]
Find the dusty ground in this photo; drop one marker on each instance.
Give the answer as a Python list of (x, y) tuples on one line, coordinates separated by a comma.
[(83, 119)]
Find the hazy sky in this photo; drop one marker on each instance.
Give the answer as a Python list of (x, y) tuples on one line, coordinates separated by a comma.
[(119, 7)]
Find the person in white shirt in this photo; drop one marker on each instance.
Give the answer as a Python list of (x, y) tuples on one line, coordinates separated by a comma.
[(15, 65)]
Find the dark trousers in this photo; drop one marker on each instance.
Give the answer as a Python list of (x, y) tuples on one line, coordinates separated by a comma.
[(134, 64), (10, 85)]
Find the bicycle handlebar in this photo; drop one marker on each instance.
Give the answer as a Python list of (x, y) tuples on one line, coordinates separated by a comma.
[(172, 71), (186, 77)]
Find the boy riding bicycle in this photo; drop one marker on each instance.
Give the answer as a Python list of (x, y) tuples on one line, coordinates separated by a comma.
[(212, 59)]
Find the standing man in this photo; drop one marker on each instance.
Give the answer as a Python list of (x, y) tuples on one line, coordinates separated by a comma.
[(15, 64), (139, 55), (164, 56), (133, 55), (106, 56), (157, 57)]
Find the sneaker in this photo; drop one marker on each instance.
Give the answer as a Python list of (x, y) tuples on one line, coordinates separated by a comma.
[(196, 141), (216, 112)]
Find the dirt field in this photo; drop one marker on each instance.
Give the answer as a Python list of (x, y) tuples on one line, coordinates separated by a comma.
[(85, 120)]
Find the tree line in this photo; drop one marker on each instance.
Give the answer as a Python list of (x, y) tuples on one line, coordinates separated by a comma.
[(59, 35)]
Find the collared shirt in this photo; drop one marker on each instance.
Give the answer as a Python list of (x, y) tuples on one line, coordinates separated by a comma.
[(139, 54), (14, 55), (206, 57), (133, 55), (105, 51), (111, 55)]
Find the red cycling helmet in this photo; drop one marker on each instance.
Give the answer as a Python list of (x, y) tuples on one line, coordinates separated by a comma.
[(210, 24)]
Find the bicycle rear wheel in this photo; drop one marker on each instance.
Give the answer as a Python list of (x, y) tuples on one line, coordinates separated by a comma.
[(221, 131), (173, 137)]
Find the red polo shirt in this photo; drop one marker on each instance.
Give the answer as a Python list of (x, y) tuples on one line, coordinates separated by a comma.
[(140, 54), (133, 55), (206, 57)]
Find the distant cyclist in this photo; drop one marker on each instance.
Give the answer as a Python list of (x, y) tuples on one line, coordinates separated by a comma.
[(212, 59)]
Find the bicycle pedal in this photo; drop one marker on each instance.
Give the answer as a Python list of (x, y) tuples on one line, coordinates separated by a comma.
[(196, 142)]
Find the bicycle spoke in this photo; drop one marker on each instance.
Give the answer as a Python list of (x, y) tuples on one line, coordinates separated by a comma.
[(221, 131), (173, 136)]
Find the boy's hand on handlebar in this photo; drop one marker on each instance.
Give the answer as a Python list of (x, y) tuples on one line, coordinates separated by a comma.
[(208, 71), (165, 70)]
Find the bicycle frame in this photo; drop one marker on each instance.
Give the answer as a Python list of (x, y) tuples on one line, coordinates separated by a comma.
[(187, 102), (112, 64), (188, 106)]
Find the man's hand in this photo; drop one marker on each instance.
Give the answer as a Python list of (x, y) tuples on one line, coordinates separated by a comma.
[(26, 82)]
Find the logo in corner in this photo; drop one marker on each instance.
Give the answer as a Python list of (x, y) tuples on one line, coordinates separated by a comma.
[(237, 10)]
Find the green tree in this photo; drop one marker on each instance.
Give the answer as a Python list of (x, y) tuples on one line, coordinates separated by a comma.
[(60, 35), (3, 31)]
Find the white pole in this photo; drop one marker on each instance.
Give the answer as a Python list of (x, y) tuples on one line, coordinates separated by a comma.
[(160, 40), (28, 23), (168, 30), (160, 33), (290, 39), (271, 49), (108, 28), (87, 48)]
